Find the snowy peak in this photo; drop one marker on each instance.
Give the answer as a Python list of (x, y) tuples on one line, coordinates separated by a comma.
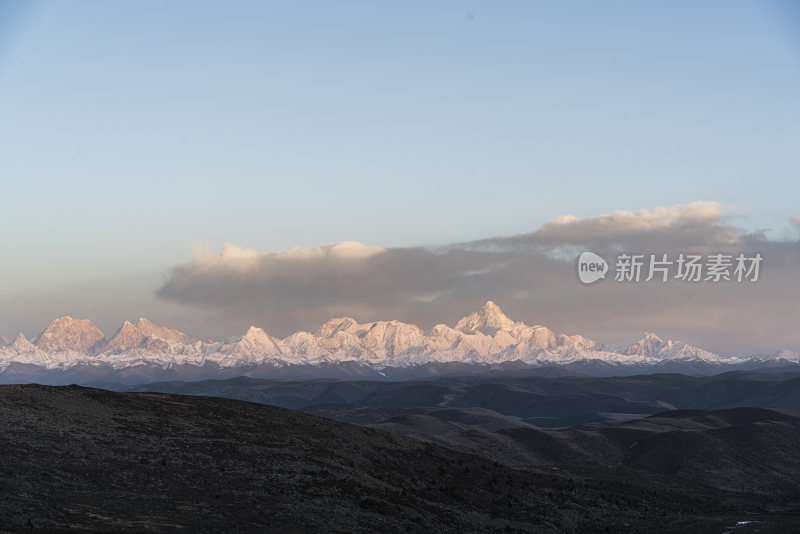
[(21, 344), (340, 324), (149, 329), (488, 320), (650, 344), (66, 334), (785, 354), (129, 336), (303, 345), (442, 337), (537, 337), (653, 347), (254, 344), (485, 337), (392, 338), (255, 337)]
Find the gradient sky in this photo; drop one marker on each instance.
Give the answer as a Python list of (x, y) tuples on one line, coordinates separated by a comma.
[(133, 131)]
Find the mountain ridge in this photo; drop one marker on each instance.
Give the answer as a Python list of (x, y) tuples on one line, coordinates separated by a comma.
[(484, 337)]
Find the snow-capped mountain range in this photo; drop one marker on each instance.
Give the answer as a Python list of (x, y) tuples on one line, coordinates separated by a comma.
[(485, 337)]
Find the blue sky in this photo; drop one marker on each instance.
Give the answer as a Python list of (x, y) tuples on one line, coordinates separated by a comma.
[(132, 131)]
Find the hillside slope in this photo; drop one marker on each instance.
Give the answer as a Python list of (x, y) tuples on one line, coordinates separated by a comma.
[(91, 459)]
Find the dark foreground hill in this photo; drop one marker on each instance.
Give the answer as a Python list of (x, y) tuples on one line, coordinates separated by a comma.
[(78, 458)]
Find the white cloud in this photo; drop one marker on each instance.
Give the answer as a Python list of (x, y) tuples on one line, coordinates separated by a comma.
[(658, 218), (533, 274), (236, 257)]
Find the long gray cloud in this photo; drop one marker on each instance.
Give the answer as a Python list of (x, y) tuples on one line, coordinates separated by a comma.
[(532, 276)]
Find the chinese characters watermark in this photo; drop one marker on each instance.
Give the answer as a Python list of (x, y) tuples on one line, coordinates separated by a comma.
[(664, 267)]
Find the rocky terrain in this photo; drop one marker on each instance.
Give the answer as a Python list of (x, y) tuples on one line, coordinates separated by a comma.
[(94, 460)]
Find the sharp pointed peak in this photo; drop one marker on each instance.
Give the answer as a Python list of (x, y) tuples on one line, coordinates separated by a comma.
[(650, 336), (254, 336), (647, 344), (647, 338), (488, 320), (491, 308), (255, 332), (490, 305), (20, 337), (22, 344), (126, 325)]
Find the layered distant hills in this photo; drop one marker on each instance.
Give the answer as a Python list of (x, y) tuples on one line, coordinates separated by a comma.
[(72, 350)]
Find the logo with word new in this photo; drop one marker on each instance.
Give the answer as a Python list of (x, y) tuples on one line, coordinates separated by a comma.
[(683, 267), (591, 267)]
